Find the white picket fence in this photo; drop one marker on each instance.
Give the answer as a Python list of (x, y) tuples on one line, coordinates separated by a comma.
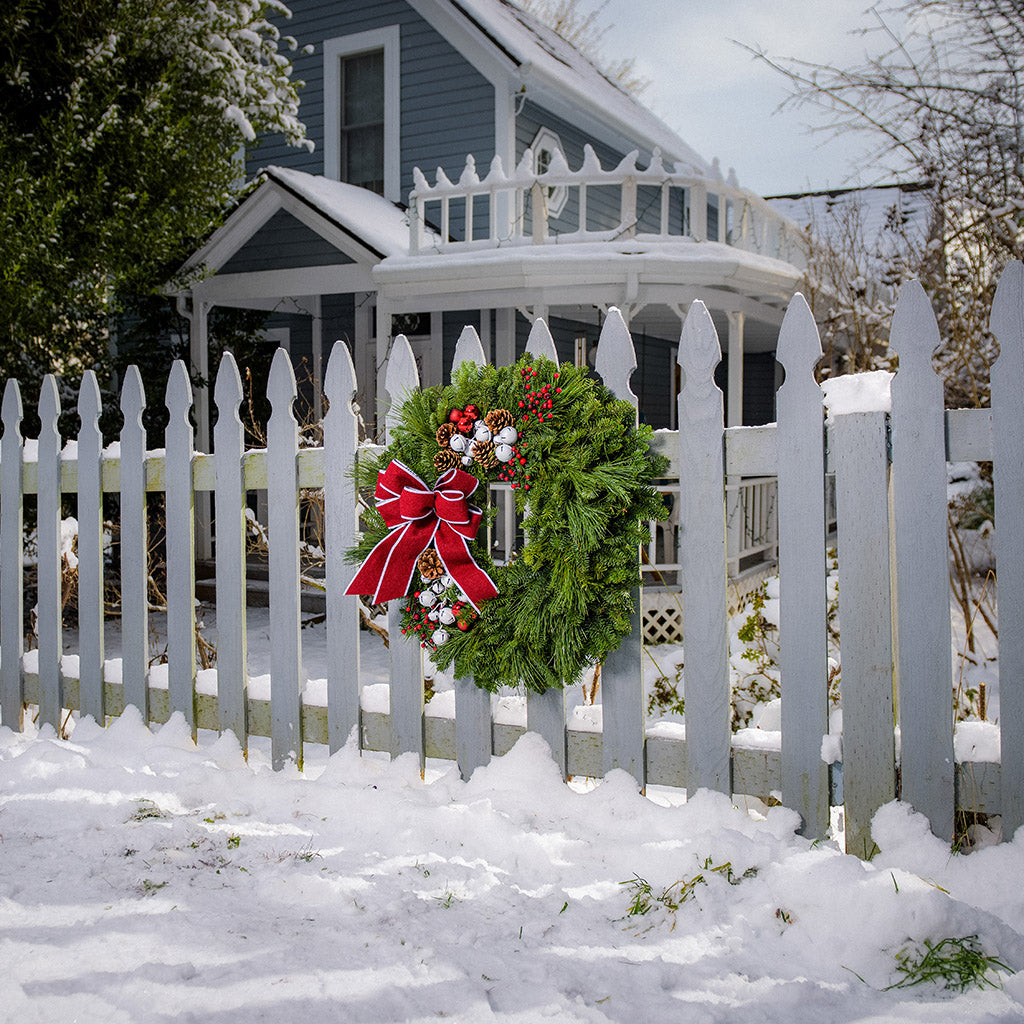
[(890, 472)]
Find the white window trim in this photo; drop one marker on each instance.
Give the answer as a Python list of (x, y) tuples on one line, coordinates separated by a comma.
[(389, 40), (558, 195)]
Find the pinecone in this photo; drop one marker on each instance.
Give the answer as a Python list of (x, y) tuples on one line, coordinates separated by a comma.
[(498, 418), (446, 459), (483, 455), (429, 565), (444, 433)]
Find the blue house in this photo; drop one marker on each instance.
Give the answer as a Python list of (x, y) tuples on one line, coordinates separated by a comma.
[(471, 167)]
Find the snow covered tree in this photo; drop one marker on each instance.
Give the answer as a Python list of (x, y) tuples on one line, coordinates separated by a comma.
[(942, 100), (121, 125)]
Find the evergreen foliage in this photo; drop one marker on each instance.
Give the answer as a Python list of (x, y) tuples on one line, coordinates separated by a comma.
[(564, 597)]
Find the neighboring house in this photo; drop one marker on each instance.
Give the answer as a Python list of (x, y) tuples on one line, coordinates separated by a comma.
[(545, 191)]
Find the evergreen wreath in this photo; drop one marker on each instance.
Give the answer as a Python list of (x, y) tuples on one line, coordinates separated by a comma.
[(582, 476)]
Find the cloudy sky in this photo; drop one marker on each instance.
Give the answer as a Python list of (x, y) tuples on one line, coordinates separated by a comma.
[(723, 102)]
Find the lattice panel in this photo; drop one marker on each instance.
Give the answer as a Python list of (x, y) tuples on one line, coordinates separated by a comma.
[(662, 626)]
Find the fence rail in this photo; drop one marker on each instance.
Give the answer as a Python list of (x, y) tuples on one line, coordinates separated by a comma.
[(870, 454)]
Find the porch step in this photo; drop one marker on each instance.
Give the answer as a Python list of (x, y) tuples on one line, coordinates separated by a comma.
[(257, 587)]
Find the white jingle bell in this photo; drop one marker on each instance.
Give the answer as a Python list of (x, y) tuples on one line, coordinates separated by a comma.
[(439, 636), (433, 615), (458, 442), (467, 460), (482, 431), (446, 581), (445, 616), (507, 435), (438, 587), (427, 598), (504, 452)]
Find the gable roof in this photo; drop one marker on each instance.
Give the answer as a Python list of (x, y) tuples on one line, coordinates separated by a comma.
[(559, 77)]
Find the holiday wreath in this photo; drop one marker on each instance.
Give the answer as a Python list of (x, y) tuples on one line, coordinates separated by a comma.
[(582, 477)]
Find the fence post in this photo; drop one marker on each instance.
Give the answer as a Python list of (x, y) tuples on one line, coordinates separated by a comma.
[(702, 557), (622, 683), (803, 653), (48, 578), (229, 507), (1008, 473), (473, 742), (181, 552), (134, 546), (922, 565), (90, 552), (406, 653), (545, 712), (285, 587), (341, 523), (865, 611), (12, 596)]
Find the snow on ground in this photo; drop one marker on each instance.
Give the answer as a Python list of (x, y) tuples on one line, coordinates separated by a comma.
[(147, 880)]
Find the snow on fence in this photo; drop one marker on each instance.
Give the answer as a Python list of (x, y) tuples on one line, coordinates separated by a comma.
[(890, 472)]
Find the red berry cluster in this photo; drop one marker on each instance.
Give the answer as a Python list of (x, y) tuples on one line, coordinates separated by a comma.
[(416, 620), (537, 405)]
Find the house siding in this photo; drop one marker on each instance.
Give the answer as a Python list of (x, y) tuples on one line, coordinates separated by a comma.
[(281, 243), (447, 106)]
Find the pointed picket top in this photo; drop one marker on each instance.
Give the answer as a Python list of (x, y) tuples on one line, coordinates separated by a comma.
[(12, 410), (227, 390), (616, 357), (419, 182), (281, 389), (1007, 319), (401, 378), (133, 395), (339, 382), (627, 165), (540, 342), (89, 401), (469, 175), (699, 353), (441, 180), (178, 394), (469, 348), (799, 348), (914, 337), (49, 403), (591, 161), (657, 165), (496, 173), (559, 165), (524, 169)]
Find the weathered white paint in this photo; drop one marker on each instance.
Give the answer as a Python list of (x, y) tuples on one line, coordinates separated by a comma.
[(702, 556), (48, 568), (801, 494), (229, 509), (283, 527), (12, 599), (922, 564)]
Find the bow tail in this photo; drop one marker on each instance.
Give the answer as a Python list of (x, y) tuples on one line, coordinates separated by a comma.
[(462, 567), (388, 569)]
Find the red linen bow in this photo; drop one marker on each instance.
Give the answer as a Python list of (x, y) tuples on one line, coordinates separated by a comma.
[(417, 517)]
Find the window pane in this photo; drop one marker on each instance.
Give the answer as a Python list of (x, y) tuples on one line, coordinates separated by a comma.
[(363, 157), (363, 89)]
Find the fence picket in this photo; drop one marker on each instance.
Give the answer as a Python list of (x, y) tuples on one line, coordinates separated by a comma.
[(472, 705), (1008, 472), (48, 569), (134, 546), (229, 504), (622, 680), (341, 523), (406, 653), (865, 612), (545, 712), (285, 590), (801, 488), (922, 564), (12, 556), (702, 557), (90, 551), (181, 560)]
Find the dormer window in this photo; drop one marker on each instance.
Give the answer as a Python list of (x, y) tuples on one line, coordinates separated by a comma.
[(361, 110), (545, 145)]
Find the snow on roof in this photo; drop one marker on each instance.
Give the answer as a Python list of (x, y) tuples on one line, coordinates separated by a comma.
[(372, 219), (883, 214), (534, 46)]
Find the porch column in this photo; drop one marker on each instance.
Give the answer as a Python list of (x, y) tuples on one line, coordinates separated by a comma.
[(199, 355), (735, 403), (318, 357), (364, 356), (485, 334), (383, 350), (505, 337)]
